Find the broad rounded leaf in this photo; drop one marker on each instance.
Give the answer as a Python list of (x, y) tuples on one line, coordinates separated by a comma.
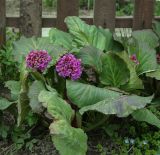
[(92, 57), (146, 115), (85, 35), (84, 94), (33, 93), (146, 36), (4, 103), (114, 70), (56, 106), (122, 106), (146, 57), (23, 46), (68, 140), (14, 87), (60, 38)]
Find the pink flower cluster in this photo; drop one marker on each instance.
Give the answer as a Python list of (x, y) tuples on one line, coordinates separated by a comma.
[(38, 60), (133, 57), (69, 66)]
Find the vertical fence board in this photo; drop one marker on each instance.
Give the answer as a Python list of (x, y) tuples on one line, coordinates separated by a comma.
[(66, 8), (31, 17), (104, 13), (2, 23), (143, 14)]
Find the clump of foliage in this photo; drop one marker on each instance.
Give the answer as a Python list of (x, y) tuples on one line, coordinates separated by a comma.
[(79, 81), (50, 3), (8, 66)]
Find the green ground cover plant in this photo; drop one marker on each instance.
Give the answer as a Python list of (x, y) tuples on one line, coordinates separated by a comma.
[(8, 66), (84, 80)]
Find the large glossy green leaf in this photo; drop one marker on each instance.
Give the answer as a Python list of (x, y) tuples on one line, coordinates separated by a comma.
[(92, 57), (122, 106), (33, 93), (23, 46), (84, 94), (134, 82), (4, 103), (114, 70), (67, 140), (146, 115), (85, 35), (60, 38), (14, 87), (146, 36), (146, 57)]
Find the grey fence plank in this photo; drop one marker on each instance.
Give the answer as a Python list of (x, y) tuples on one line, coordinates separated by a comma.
[(30, 17), (66, 8), (2, 23), (143, 14), (104, 13)]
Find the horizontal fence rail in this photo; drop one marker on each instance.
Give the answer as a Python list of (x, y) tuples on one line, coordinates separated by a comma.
[(120, 22), (31, 22)]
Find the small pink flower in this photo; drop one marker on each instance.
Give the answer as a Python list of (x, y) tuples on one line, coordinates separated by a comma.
[(133, 57)]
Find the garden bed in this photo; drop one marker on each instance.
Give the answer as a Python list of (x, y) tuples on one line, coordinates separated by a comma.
[(86, 91)]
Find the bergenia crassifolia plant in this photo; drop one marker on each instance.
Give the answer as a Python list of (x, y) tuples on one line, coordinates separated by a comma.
[(86, 51)]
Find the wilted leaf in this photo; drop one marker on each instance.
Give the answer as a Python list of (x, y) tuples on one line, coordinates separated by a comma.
[(56, 106), (122, 106), (67, 140)]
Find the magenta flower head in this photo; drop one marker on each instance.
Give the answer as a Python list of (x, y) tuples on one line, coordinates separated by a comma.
[(69, 66), (133, 57), (38, 60)]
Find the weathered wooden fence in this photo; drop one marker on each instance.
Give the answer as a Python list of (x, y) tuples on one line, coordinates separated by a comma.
[(31, 22)]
